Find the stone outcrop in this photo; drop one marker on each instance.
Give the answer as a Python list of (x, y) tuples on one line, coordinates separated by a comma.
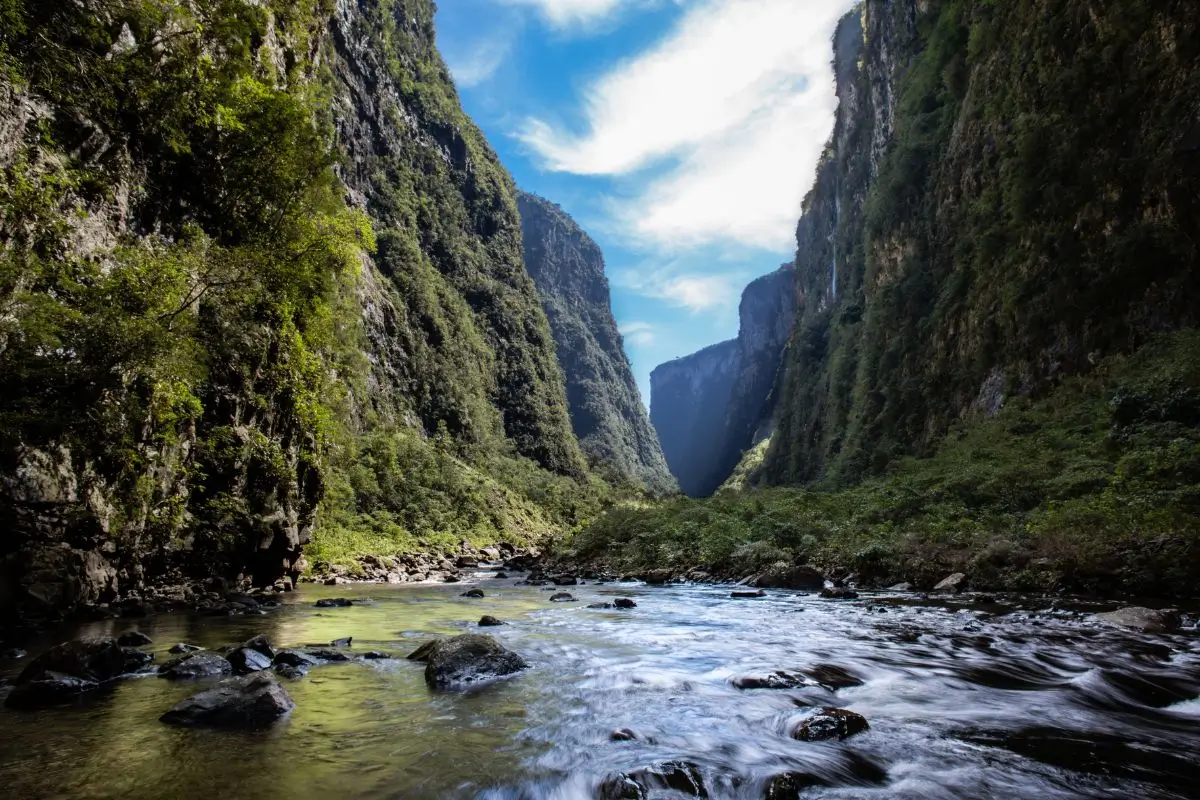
[(713, 405)]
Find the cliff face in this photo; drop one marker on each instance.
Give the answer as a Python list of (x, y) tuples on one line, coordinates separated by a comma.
[(221, 322), (1007, 198), (606, 409), (711, 406)]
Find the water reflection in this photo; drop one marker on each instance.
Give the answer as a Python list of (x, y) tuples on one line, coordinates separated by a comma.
[(960, 704)]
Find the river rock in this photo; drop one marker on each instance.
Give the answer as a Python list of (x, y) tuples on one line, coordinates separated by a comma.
[(622, 735), (347, 641), (333, 602), (1138, 618), (488, 621), (952, 584), (255, 701), (600, 605), (244, 661), (679, 776), (833, 677), (657, 577), (562, 597), (773, 680), (89, 662), (501, 576), (789, 785), (838, 594), (295, 658), (466, 562), (195, 665), (830, 723), (783, 575), (466, 659), (326, 654), (901, 587), (134, 639), (136, 660), (261, 644), (624, 602), (475, 593), (183, 647), (746, 594), (49, 689), (375, 655), (564, 580)]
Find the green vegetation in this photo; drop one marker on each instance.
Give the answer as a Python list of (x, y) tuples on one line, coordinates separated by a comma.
[(1094, 488)]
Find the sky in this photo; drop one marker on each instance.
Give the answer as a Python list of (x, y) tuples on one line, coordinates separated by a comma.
[(682, 135)]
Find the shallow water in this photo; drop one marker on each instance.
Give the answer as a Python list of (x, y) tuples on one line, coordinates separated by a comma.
[(962, 703)]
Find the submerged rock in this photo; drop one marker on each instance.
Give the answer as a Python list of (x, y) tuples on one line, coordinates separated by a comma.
[(183, 647), (244, 661), (333, 602), (96, 659), (49, 689), (255, 701), (622, 735), (600, 605), (136, 660), (195, 665), (833, 677), (466, 659), (746, 594), (134, 639), (347, 641), (1138, 618), (679, 776), (773, 680), (830, 723), (562, 597), (476, 593), (838, 594), (488, 621), (789, 785), (375, 655)]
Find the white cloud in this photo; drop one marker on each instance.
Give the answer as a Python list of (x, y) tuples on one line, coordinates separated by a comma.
[(733, 107), (566, 13), (481, 61), (637, 334), (695, 291)]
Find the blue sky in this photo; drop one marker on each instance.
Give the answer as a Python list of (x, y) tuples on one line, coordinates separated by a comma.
[(681, 134)]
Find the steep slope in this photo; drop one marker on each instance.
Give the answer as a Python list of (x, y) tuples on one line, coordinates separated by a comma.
[(711, 406), (606, 410), (204, 356), (1008, 197)]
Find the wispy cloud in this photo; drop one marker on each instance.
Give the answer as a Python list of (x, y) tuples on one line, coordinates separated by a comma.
[(732, 108), (637, 334), (691, 289), (481, 60), (567, 13)]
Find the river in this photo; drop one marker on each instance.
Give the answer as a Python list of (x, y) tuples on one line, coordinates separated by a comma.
[(964, 701)]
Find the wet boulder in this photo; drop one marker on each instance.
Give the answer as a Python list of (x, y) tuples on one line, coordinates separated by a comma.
[(136, 660), (501, 576), (772, 680), (833, 677), (134, 639), (782, 575), (244, 661), (375, 655), (838, 594), (747, 594), (901, 587), (657, 577), (97, 660), (183, 647), (564, 580), (600, 605), (622, 735), (346, 641), (488, 621), (624, 602), (789, 785), (260, 644), (952, 584), (562, 597), (1142, 619), (333, 602), (295, 658), (678, 776), (252, 702), (49, 689), (475, 593), (202, 664), (466, 659), (326, 654), (830, 723)]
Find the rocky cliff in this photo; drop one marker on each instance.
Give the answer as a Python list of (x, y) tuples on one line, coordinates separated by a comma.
[(711, 406), (1008, 197), (259, 277), (606, 409)]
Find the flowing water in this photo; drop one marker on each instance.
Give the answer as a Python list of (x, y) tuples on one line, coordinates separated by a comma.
[(990, 702)]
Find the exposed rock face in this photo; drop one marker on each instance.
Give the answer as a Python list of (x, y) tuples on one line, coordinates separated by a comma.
[(606, 409), (988, 263), (711, 406)]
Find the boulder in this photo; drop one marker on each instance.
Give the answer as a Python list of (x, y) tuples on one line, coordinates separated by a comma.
[(475, 593), (244, 661), (49, 689), (136, 660), (295, 658), (183, 647), (678, 776), (564, 580), (466, 659), (838, 594), (830, 723), (134, 639), (326, 654), (488, 621), (97, 660), (789, 785), (333, 602), (952, 584), (657, 577), (347, 641), (466, 562), (746, 594), (375, 655), (261, 644), (501, 576), (782, 575), (624, 602), (562, 597), (622, 735), (901, 587), (1138, 618), (255, 701), (772, 680), (202, 664)]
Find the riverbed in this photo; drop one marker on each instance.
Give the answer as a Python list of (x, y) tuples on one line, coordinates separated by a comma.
[(1007, 699)]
